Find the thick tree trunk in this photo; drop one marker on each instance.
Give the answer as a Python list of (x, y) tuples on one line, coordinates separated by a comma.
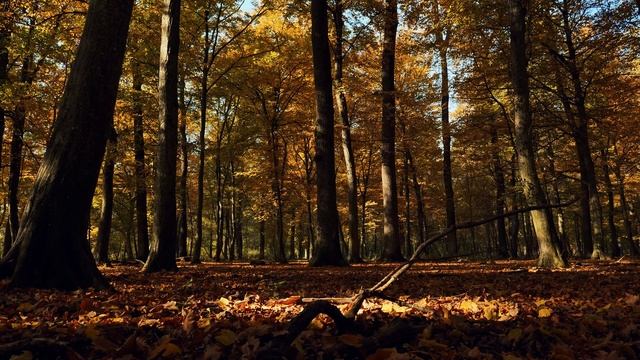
[(549, 247), (498, 171), (347, 147), (142, 225), (392, 246), (53, 248), (615, 246), (163, 251), (184, 173), (327, 249), (104, 227)]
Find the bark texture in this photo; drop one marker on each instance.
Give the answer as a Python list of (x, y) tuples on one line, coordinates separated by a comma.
[(53, 247)]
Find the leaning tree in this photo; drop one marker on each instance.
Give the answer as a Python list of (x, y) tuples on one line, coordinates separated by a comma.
[(51, 249)]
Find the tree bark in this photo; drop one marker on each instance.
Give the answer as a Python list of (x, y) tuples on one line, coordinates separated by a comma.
[(5, 34), (347, 146), (498, 171), (184, 173), (327, 249), (104, 227), (163, 251), (262, 238), (442, 44), (417, 189), (615, 246), (53, 251), (628, 228), (392, 247), (142, 225), (549, 249)]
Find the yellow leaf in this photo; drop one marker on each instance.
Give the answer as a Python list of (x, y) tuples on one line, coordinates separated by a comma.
[(226, 337), (544, 312), (203, 323), (223, 302), (351, 340), (631, 299), (469, 306), (387, 308), (170, 305), (490, 312)]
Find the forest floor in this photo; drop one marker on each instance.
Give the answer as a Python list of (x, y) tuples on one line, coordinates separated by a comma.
[(494, 310)]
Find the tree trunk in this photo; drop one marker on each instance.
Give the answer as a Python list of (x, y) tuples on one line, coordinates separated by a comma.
[(276, 187), (407, 205), (15, 165), (549, 249), (503, 252), (142, 225), (365, 189), (633, 248), (104, 227), (347, 147), (204, 97), (4, 63), (514, 221), (262, 238), (52, 247), (615, 246), (292, 240), (308, 169), (163, 251), (442, 44), (417, 190), (392, 247), (327, 249), (184, 173)]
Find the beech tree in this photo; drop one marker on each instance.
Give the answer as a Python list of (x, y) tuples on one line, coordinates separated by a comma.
[(327, 247), (163, 250), (51, 249)]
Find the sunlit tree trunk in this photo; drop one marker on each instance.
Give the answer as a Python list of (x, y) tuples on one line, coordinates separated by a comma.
[(347, 147), (392, 247), (104, 226), (163, 250), (327, 250), (549, 249), (52, 247), (142, 225)]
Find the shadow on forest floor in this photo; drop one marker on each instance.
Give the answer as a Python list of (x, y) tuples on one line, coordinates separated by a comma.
[(501, 310)]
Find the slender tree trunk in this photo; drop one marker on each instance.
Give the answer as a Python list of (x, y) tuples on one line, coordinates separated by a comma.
[(347, 147), (52, 248), (615, 246), (104, 227), (327, 249), (392, 247), (550, 254), (407, 205), (503, 252), (514, 221), (442, 43), (276, 187), (308, 169), (17, 141), (163, 251), (292, 240), (417, 190), (628, 228), (142, 226), (262, 238), (556, 192), (5, 35), (204, 97), (365, 189), (184, 173)]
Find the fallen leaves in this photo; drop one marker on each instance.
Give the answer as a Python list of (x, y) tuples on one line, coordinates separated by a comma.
[(460, 310)]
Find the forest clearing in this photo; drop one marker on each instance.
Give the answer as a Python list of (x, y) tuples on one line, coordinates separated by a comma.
[(328, 179), (471, 310)]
